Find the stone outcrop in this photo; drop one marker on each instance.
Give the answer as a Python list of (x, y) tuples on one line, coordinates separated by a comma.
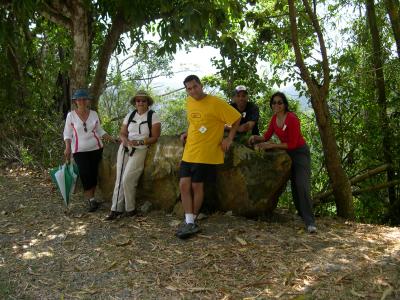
[(248, 183)]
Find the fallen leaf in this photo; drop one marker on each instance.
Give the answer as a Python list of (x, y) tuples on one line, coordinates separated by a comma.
[(203, 256), (241, 241), (353, 292), (300, 297), (257, 283), (174, 223), (302, 250), (306, 246), (124, 243), (280, 294), (340, 278), (204, 236), (386, 292), (90, 291), (198, 289), (73, 257), (143, 262), (76, 268)]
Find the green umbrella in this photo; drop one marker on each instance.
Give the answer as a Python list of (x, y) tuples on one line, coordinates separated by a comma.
[(65, 177)]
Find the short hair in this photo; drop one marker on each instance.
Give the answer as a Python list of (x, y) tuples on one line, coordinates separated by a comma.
[(284, 99), (190, 78)]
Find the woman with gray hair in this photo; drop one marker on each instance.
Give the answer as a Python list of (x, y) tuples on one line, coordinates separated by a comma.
[(139, 129)]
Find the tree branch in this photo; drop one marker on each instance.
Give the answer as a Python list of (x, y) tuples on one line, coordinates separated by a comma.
[(304, 73), (377, 187), (318, 197), (117, 28), (325, 61), (58, 14)]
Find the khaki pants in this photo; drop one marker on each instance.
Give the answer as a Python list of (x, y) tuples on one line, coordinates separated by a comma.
[(125, 189)]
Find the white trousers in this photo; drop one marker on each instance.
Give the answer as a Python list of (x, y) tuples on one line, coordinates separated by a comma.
[(129, 169)]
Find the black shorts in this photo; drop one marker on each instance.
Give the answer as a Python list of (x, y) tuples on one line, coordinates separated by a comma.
[(198, 172)]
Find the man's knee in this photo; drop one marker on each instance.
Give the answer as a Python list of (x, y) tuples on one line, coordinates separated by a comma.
[(185, 185), (197, 186)]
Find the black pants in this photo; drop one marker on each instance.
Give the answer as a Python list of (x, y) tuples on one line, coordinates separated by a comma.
[(300, 182), (88, 166)]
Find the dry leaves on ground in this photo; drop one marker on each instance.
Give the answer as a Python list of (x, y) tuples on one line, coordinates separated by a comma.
[(48, 252)]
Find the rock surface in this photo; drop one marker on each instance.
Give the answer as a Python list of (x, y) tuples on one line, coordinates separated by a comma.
[(248, 183)]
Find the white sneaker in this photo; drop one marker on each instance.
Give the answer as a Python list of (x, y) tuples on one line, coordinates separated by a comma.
[(311, 229)]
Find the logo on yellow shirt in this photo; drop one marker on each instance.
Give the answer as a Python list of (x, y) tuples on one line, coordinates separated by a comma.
[(195, 115)]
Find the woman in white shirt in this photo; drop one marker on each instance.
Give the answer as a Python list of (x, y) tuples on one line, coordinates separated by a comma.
[(139, 129), (83, 139)]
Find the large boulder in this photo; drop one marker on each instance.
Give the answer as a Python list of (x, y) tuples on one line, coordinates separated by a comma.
[(249, 183), (159, 182)]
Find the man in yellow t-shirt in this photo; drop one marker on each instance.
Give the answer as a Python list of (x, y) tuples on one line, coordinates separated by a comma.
[(204, 148)]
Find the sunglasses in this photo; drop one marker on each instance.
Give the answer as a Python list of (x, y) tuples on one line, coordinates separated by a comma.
[(277, 102), (141, 101), (84, 126)]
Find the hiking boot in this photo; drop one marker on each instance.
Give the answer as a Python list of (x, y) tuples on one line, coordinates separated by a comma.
[(93, 205), (312, 229), (112, 216), (187, 230)]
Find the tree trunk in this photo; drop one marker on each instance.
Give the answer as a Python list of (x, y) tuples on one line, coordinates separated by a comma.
[(63, 101), (319, 93), (117, 28), (382, 104), (339, 181), (81, 46), (75, 15), (393, 10)]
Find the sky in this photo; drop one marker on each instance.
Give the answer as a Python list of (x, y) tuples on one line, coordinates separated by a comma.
[(197, 61)]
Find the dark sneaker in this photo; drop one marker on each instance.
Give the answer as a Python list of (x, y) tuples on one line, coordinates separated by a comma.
[(187, 230), (113, 215), (312, 229), (93, 205)]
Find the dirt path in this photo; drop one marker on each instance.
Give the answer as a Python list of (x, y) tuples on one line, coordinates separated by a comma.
[(49, 253)]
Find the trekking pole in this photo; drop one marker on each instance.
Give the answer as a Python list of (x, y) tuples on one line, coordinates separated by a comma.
[(124, 149)]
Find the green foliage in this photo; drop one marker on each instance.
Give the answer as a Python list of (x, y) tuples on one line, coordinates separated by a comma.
[(30, 125), (128, 74), (172, 111)]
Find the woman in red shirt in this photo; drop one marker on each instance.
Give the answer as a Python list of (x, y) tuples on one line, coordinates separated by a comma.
[(286, 126)]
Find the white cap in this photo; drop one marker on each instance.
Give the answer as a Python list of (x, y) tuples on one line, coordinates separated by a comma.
[(240, 88)]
